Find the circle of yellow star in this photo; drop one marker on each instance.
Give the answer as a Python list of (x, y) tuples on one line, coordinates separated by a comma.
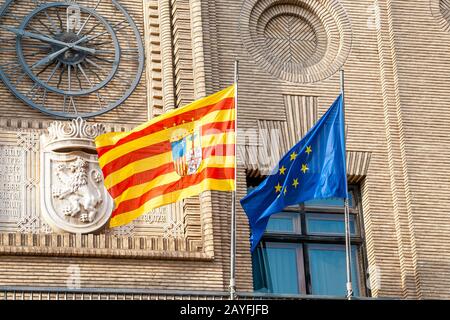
[(278, 188), (282, 170), (304, 168), (293, 156), (308, 150), (285, 191), (295, 183)]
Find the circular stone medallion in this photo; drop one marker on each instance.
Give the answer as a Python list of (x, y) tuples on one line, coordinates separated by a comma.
[(296, 40), (440, 9)]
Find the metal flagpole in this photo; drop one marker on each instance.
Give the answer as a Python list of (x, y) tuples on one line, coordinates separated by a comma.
[(233, 195), (348, 247)]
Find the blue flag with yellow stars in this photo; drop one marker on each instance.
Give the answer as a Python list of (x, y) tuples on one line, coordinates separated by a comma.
[(315, 168)]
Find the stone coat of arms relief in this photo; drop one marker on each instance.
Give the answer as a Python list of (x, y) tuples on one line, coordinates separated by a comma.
[(73, 197)]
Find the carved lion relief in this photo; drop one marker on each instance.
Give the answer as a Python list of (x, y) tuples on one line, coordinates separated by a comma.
[(80, 187)]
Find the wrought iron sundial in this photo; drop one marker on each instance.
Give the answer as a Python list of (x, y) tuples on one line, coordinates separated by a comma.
[(69, 59)]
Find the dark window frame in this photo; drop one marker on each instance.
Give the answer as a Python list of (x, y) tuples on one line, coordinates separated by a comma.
[(300, 259), (304, 239)]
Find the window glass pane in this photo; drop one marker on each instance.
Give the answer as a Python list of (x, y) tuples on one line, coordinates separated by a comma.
[(279, 264), (330, 202), (328, 224), (328, 270), (259, 273), (282, 222)]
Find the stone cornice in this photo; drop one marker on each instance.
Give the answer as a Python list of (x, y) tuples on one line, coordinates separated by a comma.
[(100, 246)]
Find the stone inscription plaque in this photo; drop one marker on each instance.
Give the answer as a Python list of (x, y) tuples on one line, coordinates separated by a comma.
[(12, 177)]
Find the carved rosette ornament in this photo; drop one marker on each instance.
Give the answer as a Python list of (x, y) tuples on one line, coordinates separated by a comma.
[(73, 196)]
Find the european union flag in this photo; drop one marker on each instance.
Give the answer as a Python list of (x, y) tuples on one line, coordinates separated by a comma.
[(315, 168)]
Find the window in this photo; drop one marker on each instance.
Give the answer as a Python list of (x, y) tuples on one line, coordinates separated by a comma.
[(303, 250)]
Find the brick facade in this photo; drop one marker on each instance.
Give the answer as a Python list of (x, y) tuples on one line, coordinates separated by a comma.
[(396, 60)]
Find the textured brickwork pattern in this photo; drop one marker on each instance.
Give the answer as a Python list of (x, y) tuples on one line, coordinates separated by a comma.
[(397, 97)]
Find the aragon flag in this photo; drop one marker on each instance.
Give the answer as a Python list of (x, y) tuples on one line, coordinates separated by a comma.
[(171, 157)]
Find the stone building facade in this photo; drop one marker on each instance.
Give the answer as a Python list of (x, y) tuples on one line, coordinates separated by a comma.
[(396, 61)]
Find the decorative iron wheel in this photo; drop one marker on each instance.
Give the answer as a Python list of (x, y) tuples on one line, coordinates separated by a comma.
[(70, 59)]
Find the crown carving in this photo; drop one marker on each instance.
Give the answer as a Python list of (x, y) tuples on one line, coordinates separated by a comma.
[(72, 134), (77, 128)]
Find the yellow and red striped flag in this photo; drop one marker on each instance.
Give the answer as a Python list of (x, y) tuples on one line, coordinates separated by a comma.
[(171, 157)]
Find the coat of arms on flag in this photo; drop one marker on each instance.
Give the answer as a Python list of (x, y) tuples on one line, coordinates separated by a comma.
[(187, 153), (176, 155)]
